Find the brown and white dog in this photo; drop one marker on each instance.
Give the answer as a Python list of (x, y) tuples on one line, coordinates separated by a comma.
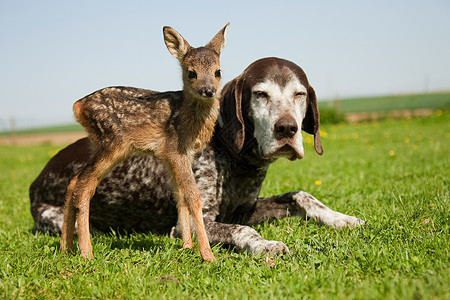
[(262, 112)]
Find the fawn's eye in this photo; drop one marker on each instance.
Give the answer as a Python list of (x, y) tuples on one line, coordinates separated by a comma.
[(218, 74), (192, 74)]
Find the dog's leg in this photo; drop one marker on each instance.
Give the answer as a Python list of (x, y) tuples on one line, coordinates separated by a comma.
[(243, 238), (189, 198), (299, 204), (48, 218)]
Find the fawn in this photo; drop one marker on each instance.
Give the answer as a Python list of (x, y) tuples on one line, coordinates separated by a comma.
[(173, 126)]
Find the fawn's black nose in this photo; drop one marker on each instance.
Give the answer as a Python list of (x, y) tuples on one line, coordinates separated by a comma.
[(285, 128), (207, 92)]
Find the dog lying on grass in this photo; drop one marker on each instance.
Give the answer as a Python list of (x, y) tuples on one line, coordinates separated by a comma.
[(262, 113)]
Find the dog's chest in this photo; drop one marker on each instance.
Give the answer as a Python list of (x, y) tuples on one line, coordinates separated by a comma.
[(238, 190), (223, 190), (237, 205)]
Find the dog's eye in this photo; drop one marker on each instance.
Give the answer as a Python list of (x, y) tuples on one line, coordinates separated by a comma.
[(218, 74), (261, 94), (299, 94), (192, 74)]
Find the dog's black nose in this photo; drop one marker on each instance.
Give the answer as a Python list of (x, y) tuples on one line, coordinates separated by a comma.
[(285, 128), (207, 92)]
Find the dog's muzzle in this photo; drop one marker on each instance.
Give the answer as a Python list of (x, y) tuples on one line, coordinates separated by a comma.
[(285, 128)]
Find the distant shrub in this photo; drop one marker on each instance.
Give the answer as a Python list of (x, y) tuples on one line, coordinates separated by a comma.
[(331, 116)]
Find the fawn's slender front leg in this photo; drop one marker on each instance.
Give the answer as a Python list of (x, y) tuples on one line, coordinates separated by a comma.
[(185, 222), (195, 207), (189, 202)]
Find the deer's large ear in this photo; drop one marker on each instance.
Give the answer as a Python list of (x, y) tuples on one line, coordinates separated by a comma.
[(176, 44), (218, 41), (233, 129), (311, 122)]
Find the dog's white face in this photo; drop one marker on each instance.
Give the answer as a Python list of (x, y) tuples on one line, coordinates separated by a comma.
[(278, 110)]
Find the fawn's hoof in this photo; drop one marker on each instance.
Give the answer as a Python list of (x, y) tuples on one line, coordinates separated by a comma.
[(188, 245), (87, 255), (209, 258), (208, 255)]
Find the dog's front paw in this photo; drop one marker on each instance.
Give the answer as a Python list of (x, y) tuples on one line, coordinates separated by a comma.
[(265, 247), (339, 221)]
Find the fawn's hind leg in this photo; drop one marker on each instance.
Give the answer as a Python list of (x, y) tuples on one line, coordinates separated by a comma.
[(68, 228), (189, 202), (79, 193), (77, 209)]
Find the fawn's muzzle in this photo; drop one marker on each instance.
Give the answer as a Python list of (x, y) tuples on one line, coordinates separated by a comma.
[(207, 92)]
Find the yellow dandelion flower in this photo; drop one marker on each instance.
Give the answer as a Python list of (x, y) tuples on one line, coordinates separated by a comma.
[(355, 135), (391, 153), (317, 182), (419, 138), (323, 133), (439, 113), (406, 139), (414, 147), (308, 140)]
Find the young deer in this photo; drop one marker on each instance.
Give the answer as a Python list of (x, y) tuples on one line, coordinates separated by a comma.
[(173, 126)]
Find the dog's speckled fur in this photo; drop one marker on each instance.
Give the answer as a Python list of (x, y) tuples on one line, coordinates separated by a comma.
[(135, 195)]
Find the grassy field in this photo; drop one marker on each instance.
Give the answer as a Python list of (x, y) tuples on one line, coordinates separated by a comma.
[(432, 101), (394, 174), (50, 129)]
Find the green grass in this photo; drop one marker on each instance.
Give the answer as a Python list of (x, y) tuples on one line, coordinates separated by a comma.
[(50, 129), (394, 174), (401, 102)]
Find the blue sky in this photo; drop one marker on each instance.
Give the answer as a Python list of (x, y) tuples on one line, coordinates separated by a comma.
[(55, 52)]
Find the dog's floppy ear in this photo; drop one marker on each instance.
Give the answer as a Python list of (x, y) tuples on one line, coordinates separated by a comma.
[(233, 129), (311, 122)]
